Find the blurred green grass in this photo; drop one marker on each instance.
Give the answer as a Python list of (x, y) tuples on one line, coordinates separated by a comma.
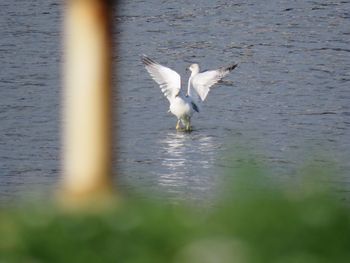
[(250, 223)]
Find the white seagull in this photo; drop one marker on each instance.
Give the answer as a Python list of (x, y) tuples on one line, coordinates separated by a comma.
[(184, 105)]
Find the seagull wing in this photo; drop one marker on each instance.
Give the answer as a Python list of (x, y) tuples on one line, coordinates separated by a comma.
[(168, 79), (204, 80)]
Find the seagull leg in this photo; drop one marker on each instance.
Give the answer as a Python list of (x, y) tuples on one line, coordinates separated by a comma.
[(188, 125), (178, 125)]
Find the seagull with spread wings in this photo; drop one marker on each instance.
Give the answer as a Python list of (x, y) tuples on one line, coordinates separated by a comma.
[(184, 105)]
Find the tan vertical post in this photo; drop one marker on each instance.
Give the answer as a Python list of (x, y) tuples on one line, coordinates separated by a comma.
[(87, 111)]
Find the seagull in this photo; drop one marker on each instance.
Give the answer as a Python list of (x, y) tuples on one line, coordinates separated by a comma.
[(183, 105)]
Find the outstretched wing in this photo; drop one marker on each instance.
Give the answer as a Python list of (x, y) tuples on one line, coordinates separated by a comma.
[(203, 81), (168, 80)]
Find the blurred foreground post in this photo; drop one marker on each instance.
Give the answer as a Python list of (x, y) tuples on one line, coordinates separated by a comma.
[(87, 113)]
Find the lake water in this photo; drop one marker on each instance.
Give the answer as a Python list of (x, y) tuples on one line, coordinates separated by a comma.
[(286, 105)]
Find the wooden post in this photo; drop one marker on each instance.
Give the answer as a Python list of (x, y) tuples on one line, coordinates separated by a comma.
[(87, 96)]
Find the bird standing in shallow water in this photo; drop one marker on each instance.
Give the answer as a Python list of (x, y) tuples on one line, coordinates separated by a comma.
[(184, 105)]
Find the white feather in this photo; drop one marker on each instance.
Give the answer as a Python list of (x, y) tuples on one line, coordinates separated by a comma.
[(168, 79), (202, 82)]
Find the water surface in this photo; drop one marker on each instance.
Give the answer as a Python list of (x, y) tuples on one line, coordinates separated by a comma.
[(286, 104)]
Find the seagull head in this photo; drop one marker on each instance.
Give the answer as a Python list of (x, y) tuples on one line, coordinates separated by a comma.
[(194, 68)]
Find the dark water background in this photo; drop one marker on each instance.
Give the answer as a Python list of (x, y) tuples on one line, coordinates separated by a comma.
[(286, 105)]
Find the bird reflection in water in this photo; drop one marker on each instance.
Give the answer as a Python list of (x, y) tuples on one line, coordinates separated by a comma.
[(184, 158)]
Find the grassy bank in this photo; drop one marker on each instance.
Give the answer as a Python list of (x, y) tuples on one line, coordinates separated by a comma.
[(254, 226)]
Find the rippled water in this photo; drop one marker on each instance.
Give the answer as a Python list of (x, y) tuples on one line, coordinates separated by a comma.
[(286, 104), (29, 88)]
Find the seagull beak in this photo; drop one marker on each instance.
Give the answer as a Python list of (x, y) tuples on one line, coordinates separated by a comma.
[(187, 69)]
